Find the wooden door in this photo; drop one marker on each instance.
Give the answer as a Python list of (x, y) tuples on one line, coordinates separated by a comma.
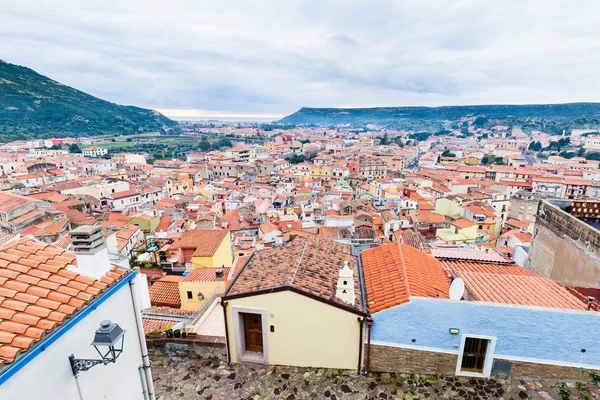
[(474, 355), (253, 332)]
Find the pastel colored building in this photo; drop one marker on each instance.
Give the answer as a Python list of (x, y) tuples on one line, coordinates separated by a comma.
[(299, 305), (200, 248), (508, 317)]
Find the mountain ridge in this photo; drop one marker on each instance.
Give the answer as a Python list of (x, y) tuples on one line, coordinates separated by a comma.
[(556, 113), (35, 106)]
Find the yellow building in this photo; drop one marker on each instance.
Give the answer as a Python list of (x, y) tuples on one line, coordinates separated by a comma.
[(270, 146), (147, 223), (449, 206), (307, 313), (468, 160), (200, 285), (216, 252), (321, 172), (200, 248), (460, 231)]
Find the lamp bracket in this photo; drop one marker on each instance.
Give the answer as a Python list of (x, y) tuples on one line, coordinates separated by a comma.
[(82, 364)]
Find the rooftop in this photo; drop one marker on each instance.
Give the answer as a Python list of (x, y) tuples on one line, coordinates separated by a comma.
[(395, 272), (38, 293), (205, 241), (307, 266)]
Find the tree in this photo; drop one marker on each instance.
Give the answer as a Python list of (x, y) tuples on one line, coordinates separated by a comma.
[(485, 160), (399, 142), (224, 142), (73, 148), (296, 158), (535, 146), (385, 140), (581, 151), (448, 153), (480, 122), (204, 145), (564, 141)]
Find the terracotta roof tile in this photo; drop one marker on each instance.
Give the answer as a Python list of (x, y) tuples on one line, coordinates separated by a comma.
[(165, 291), (37, 293), (308, 265), (204, 241), (395, 272)]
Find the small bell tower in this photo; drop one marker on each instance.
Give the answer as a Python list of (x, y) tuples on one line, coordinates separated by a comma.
[(345, 285)]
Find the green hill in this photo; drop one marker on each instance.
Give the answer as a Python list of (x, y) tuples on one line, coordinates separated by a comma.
[(34, 106), (415, 116)]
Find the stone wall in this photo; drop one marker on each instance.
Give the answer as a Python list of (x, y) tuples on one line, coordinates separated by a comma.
[(395, 359), (527, 370), (564, 248)]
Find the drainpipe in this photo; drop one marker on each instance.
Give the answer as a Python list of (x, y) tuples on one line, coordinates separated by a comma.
[(224, 305), (361, 321), (368, 355), (145, 393), (146, 364)]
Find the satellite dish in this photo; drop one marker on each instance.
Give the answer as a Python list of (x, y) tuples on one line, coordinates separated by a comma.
[(457, 289)]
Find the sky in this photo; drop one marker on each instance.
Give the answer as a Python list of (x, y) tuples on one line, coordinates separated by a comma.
[(267, 59)]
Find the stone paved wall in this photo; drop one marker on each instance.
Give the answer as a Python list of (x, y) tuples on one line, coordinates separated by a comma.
[(526, 370), (388, 359), (395, 359), (185, 370)]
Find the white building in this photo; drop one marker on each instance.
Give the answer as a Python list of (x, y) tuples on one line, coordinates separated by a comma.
[(592, 142), (94, 152), (37, 345)]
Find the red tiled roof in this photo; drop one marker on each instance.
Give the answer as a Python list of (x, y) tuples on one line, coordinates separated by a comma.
[(165, 291), (520, 289), (463, 223), (205, 241), (309, 266), (459, 267), (205, 274), (38, 293), (395, 272), (468, 254), (10, 201), (156, 325)]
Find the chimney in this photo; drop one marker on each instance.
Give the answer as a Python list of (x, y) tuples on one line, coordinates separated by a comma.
[(345, 285), (89, 247), (219, 274)]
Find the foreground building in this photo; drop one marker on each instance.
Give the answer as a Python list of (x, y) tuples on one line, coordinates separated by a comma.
[(51, 304), (508, 321), (299, 305)]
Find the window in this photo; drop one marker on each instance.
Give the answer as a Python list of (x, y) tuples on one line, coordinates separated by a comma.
[(476, 355), (189, 295)]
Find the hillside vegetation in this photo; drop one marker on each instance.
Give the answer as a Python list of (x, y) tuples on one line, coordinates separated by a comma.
[(563, 115), (34, 106)]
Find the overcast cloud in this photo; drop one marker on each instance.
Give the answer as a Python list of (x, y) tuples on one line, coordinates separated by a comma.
[(272, 57)]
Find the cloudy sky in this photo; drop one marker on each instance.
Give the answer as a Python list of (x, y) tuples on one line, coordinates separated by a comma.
[(269, 58)]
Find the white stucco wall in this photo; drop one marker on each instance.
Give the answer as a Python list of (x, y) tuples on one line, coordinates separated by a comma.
[(49, 376)]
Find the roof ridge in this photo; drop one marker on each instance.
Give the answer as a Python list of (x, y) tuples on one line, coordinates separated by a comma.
[(404, 273)]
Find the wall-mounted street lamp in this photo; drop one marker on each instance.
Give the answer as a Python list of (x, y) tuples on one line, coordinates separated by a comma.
[(110, 335)]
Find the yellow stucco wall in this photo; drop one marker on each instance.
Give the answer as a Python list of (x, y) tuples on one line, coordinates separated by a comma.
[(146, 225), (448, 207), (223, 256), (205, 287), (308, 333)]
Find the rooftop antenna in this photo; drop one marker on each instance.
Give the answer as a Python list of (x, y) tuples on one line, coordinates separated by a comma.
[(457, 289)]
